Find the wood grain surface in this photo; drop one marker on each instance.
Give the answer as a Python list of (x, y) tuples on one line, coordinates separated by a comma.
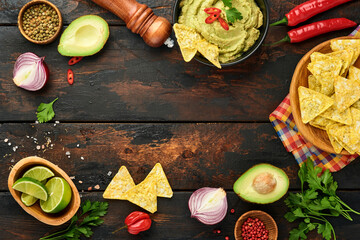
[(134, 105)]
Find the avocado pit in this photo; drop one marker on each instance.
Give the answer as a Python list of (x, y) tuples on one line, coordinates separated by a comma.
[(264, 183)]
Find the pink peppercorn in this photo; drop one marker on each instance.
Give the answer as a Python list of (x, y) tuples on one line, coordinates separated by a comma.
[(254, 229)]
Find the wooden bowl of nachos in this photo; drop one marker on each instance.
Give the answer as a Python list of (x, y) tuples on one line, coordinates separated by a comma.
[(324, 95)]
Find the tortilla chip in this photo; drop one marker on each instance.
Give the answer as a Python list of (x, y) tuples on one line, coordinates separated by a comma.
[(186, 38), (312, 103), (355, 127), (336, 145), (334, 114), (346, 57), (342, 44), (209, 51), (314, 84), (344, 135), (354, 73), (321, 122), (163, 187), (347, 92), (143, 195), (121, 183), (327, 83), (321, 64)]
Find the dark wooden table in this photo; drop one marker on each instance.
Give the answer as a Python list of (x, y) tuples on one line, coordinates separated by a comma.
[(134, 105)]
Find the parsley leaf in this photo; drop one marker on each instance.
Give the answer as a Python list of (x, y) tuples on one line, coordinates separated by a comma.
[(81, 224), (233, 14), (45, 112), (227, 3)]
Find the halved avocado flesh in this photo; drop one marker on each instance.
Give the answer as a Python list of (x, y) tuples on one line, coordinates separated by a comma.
[(262, 184), (84, 36)]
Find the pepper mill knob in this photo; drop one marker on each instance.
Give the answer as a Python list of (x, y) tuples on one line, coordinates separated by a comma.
[(140, 19)]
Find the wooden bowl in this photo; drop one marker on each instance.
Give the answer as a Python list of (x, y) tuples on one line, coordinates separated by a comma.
[(52, 219), (268, 221), (316, 136), (20, 21)]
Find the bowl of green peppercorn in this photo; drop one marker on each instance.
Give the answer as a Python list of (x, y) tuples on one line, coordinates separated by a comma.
[(40, 21)]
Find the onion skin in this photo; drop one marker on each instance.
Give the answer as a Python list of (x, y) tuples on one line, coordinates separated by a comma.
[(36, 78), (212, 215)]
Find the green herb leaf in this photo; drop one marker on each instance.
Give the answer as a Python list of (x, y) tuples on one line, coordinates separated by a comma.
[(299, 233), (232, 15), (227, 3), (45, 112), (77, 228)]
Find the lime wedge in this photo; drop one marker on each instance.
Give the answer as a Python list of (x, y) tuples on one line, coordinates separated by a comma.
[(27, 199), (39, 173), (32, 187), (59, 195)]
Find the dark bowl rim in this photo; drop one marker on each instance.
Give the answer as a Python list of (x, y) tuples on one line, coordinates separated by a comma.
[(249, 53)]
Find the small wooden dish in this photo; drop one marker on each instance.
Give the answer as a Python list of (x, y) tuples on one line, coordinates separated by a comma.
[(269, 222), (316, 136), (51, 219), (20, 21)]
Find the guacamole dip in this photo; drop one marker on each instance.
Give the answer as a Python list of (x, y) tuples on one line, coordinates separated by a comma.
[(241, 35)]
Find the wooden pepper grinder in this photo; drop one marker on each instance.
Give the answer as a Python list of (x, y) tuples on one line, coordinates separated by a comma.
[(140, 19)]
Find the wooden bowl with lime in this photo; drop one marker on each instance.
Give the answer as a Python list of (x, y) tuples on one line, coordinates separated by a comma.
[(315, 136), (56, 201)]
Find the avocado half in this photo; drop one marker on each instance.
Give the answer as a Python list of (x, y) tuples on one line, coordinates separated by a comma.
[(262, 184), (84, 36)]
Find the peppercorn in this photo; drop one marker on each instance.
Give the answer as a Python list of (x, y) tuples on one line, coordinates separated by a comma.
[(40, 22), (254, 229)]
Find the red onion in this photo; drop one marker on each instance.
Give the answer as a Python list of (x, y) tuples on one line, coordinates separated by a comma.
[(30, 72), (208, 205)]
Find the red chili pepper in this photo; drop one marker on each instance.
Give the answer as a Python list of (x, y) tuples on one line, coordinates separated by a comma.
[(212, 18), (70, 76), (212, 10), (317, 28), (136, 222), (74, 60), (307, 10), (223, 23)]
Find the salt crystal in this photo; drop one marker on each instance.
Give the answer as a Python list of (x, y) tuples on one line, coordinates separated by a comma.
[(67, 153), (12, 160), (35, 139), (51, 145), (27, 136), (78, 145), (72, 177), (57, 122), (48, 132), (14, 149), (97, 187), (38, 147), (82, 158), (109, 173), (54, 124), (9, 144), (80, 181), (68, 156), (36, 122), (6, 140)]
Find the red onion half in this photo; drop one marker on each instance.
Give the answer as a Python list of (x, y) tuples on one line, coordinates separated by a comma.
[(208, 205), (30, 72)]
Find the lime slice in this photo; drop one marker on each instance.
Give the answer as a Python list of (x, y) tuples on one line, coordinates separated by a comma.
[(59, 195), (39, 173), (32, 187), (27, 199)]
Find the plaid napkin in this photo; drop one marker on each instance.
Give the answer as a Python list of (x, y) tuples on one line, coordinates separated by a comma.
[(284, 124)]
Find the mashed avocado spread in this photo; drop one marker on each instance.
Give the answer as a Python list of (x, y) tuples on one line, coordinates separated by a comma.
[(241, 35)]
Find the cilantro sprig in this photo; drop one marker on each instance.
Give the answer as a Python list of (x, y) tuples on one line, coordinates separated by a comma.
[(45, 112), (232, 14), (82, 222), (314, 204)]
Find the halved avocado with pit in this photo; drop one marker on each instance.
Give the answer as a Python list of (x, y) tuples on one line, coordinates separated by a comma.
[(84, 36), (262, 184)]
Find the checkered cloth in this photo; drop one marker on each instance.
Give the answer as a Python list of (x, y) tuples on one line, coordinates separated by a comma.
[(284, 124)]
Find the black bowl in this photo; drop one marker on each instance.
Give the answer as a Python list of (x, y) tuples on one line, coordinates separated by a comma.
[(264, 7)]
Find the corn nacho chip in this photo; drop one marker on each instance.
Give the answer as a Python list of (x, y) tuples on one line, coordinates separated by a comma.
[(347, 92), (312, 103), (121, 183), (342, 44), (187, 38), (336, 145), (163, 187), (354, 73), (209, 51), (334, 114), (314, 84), (355, 137), (321, 122), (143, 195), (321, 63), (346, 57)]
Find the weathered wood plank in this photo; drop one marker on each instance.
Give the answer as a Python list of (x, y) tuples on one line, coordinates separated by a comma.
[(193, 155), (129, 81), (172, 220)]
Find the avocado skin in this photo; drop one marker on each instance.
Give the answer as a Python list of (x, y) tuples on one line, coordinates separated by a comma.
[(266, 166)]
